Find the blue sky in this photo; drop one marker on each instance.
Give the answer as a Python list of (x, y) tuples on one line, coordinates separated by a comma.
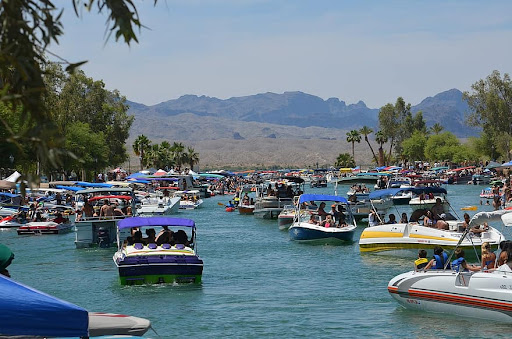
[(374, 51)]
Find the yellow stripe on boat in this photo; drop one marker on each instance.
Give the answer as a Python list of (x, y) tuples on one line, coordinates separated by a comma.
[(381, 234), (418, 236)]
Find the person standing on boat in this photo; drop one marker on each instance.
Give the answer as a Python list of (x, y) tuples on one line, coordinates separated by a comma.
[(321, 212), (438, 214), (106, 211), (87, 209)]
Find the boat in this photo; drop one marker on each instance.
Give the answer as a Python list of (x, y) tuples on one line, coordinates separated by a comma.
[(405, 239), (29, 313), (270, 202), (246, 206), (45, 227), (426, 197), (189, 199), (94, 231), (304, 231), (163, 263), (12, 221), (484, 294), (158, 205), (481, 179), (318, 181)]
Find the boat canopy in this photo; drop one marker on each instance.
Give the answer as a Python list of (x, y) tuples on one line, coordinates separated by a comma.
[(154, 221), (321, 197), (101, 197), (417, 190), (379, 174), (92, 184), (481, 217), (297, 180), (105, 190), (440, 168), (70, 188), (29, 312), (8, 195)]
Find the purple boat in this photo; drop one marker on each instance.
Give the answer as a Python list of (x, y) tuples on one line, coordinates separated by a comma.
[(167, 255)]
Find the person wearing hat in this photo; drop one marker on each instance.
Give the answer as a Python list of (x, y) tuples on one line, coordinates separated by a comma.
[(335, 213)]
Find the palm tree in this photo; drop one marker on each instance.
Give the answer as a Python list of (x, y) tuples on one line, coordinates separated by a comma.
[(140, 145), (436, 128), (381, 140), (365, 130), (353, 136), (192, 157), (344, 160), (177, 151)]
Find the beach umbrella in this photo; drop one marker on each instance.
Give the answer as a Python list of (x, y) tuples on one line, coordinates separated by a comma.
[(492, 164), (160, 172)]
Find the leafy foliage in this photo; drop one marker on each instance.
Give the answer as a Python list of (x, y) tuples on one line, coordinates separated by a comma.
[(345, 160)]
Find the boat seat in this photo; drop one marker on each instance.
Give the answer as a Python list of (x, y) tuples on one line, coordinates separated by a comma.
[(152, 246), (138, 246), (180, 246), (166, 246)]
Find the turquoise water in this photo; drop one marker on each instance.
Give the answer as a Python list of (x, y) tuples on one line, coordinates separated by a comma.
[(256, 282)]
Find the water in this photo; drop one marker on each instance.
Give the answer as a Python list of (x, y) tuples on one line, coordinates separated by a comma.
[(256, 282)]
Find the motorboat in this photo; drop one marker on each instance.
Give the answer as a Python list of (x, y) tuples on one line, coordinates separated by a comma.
[(405, 239), (154, 263), (485, 294), (481, 179), (426, 197), (99, 231), (159, 206), (303, 230), (189, 199), (246, 206), (12, 221), (285, 218), (45, 227), (272, 199)]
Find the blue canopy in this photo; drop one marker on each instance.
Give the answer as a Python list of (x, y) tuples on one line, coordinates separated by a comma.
[(136, 175), (379, 174), (69, 188), (8, 195), (29, 312), (139, 181), (321, 197), (92, 184), (154, 221)]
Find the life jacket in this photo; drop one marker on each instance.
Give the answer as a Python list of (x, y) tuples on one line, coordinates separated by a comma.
[(440, 261), (456, 264), (420, 263)]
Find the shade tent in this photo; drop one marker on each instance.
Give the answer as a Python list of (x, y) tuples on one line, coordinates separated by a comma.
[(321, 197), (7, 185), (160, 172), (13, 177), (507, 164), (70, 188), (493, 164), (29, 312), (136, 175)]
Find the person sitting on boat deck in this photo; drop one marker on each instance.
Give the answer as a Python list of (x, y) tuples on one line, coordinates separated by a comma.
[(245, 199), (328, 222), (321, 212), (422, 260), (335, 212), (504, 247), (59, 219), (352, 198), (230, 204), (439, 215), (488, 257), (428, 220), (506, 265), (39, 217), (118, 212), (128, 210), (373, 218), (312, 219), (181, 237), (439, 260), (106, 211), (87, 209), (164, 236), (475, 229), (137, 238), (151, 236), (460, 262), (403, 218), (392, 219)]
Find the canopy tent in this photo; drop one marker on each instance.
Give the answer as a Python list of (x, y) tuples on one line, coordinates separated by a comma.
[(93, 184), (136, 175), (507, 164), (160, 172), (7, 185), (211, 175), (117, 170), (13, 177), (440, 168), (492, 164), (70, 188), (29, 312)]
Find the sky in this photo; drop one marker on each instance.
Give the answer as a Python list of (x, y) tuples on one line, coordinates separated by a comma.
[(374, 51)]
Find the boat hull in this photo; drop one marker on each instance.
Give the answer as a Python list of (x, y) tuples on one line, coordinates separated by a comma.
[(35, 228), (478, 295), (310, 233), (246, 210)]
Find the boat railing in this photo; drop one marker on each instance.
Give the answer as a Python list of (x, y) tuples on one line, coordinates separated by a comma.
[(107, 218)]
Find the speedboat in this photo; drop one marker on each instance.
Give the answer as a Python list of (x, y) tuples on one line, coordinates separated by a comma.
[(12, 221), (189, 199), (482, 294), (405, 239), (45, 227), (426, 197), (303, 230), (159, 206), (176, 261)]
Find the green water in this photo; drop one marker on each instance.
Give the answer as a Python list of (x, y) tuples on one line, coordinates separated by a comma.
[(256, 282)]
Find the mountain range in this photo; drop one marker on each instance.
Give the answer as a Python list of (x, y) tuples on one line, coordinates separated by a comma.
[(261, 118)]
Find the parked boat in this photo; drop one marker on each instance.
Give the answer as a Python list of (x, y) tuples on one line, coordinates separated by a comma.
[(484, 295), (96, 231), (271, 199), (155, 263), (426, 197), (405, 239), (246, 199), (153, 206), (189, 199), (327, 231), (45, 227)]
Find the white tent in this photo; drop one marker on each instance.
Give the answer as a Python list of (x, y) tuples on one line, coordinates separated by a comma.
[(13, 177)]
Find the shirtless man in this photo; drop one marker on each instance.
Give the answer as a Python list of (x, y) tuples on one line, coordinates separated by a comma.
[(106, 211)]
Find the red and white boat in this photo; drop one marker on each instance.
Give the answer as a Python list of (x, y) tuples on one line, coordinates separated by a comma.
[(11, 221), (44, 227)]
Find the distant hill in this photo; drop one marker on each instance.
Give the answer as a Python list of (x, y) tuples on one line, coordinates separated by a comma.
[(240, 123)]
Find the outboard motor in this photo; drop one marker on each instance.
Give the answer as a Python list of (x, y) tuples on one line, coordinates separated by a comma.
[(103, 237)]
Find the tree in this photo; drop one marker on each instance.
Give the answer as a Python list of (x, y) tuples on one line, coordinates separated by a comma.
[(381, 139), (353, 137), (414, 147), (192, 157), (178, 152), (345, 160), (28, 29), (436, 128), (365, 130), (442, 147), (490, 104), (140, 146)]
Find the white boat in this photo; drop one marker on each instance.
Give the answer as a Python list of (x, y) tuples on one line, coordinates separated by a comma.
[(304, 231), (189, 199), (269, 204), (405, 239), (159, 206), (98, 231), (427, 198), (486, 295)]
